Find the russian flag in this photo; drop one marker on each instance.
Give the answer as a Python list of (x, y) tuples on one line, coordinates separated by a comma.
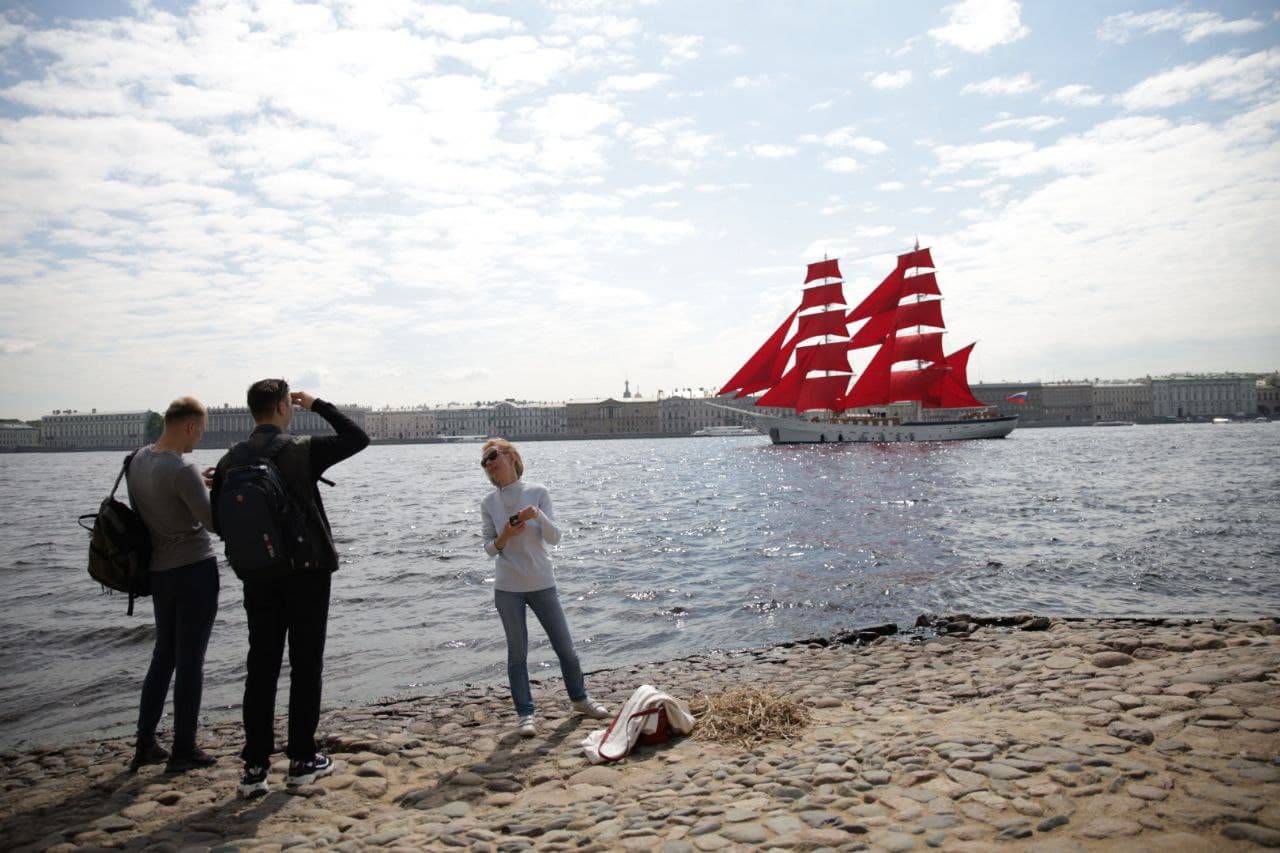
[(1020, 397)]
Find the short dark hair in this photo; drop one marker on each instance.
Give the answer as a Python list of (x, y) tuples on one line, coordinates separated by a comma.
[(264, 395), (183, 408)]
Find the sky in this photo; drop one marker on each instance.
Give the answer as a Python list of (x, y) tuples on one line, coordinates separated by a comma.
[(403, 203)]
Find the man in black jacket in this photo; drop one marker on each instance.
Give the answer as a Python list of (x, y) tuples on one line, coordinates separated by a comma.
[(291, 600)]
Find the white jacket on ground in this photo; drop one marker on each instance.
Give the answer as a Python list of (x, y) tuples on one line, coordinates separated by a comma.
[(615, 741)]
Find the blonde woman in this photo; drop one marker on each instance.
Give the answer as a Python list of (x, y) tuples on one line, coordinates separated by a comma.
[(518, 525)]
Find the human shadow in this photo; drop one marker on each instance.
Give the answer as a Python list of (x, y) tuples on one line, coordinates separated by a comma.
[(98, 806), (223, 820), (501, 771), (74, 814)]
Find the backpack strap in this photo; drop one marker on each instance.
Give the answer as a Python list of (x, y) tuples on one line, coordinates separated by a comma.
[(124, 469)]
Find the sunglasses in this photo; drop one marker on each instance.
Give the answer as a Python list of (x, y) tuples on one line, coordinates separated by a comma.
[(489, 457)]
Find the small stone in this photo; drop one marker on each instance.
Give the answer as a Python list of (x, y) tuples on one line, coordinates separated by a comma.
[(1260, 835), (114, 823), (1003, 772), (747, 833), (704, 827), (1147, 792), (877, 777), (1136, 734), (1106, 660), (140, 811), (1051, 823)]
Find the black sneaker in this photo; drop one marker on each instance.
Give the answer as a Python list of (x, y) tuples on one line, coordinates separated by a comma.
[(149, 753), (306, 772), (254, 782), (181, 762)]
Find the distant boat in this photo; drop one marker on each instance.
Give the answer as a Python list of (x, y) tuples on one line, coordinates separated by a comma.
[(728, 430), (452, 439), (1113, 423), (808, 370), (1221, 421)]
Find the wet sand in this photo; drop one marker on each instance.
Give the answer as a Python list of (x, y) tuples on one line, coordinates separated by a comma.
[(1091, 734)]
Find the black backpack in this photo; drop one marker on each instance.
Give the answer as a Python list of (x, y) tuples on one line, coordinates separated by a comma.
[(259, 519), (119, 545)]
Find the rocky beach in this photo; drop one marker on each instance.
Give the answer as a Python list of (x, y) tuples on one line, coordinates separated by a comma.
[(961, 734)]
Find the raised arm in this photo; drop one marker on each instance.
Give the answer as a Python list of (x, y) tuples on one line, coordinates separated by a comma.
[(327, 450)]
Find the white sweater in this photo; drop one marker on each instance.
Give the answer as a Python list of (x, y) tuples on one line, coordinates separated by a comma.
[(523, 563)]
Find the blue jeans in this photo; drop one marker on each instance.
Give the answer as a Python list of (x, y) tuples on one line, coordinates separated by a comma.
[(185, 600), (545, 604)]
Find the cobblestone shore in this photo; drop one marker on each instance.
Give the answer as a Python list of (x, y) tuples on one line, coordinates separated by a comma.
[(1035, 734)]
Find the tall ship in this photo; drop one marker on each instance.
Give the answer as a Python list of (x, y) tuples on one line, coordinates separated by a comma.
[(804, 365)]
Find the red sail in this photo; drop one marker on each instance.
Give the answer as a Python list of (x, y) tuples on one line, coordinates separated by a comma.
[(918, 258), (828, 356), (872, 387), (823, 294), (823, 269), (824, 323), (823, 392), (925, 284), (923, 347), (952, 391), (912, 314), (759, 371), (884, 298), (786, 391), (914, 384)]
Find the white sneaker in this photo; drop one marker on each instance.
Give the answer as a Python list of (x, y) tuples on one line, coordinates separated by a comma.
[(589, 707), (527, 728)]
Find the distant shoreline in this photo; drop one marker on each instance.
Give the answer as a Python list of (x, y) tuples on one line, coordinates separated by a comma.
[(601, 437)]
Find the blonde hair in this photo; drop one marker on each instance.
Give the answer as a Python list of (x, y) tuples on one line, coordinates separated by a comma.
[(183, 408), (504, 446)]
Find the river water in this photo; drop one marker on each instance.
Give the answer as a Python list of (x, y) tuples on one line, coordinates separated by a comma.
[(671, 547)]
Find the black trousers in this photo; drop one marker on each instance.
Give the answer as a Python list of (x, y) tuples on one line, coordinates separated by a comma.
[(293, 608), (185, 601)]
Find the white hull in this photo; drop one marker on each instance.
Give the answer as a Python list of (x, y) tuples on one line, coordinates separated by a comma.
[(798, 431)]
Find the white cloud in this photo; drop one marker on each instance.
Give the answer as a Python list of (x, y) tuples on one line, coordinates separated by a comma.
[(1019, 84), (1185, 197), (891, 186), (753, 81), (1026, 123), (1191, 26), (1076, 95), (571, 115), (889, 80), (14, 347), (846, 137), (976, 26), (681, 49), (842, 165), (1220, 78), (635, 82), (989, 155), (773, 152)]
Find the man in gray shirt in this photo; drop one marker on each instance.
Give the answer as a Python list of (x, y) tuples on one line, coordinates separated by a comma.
[(172, 496)]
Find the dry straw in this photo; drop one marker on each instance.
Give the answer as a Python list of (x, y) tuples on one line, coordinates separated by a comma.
[(747, 716)]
